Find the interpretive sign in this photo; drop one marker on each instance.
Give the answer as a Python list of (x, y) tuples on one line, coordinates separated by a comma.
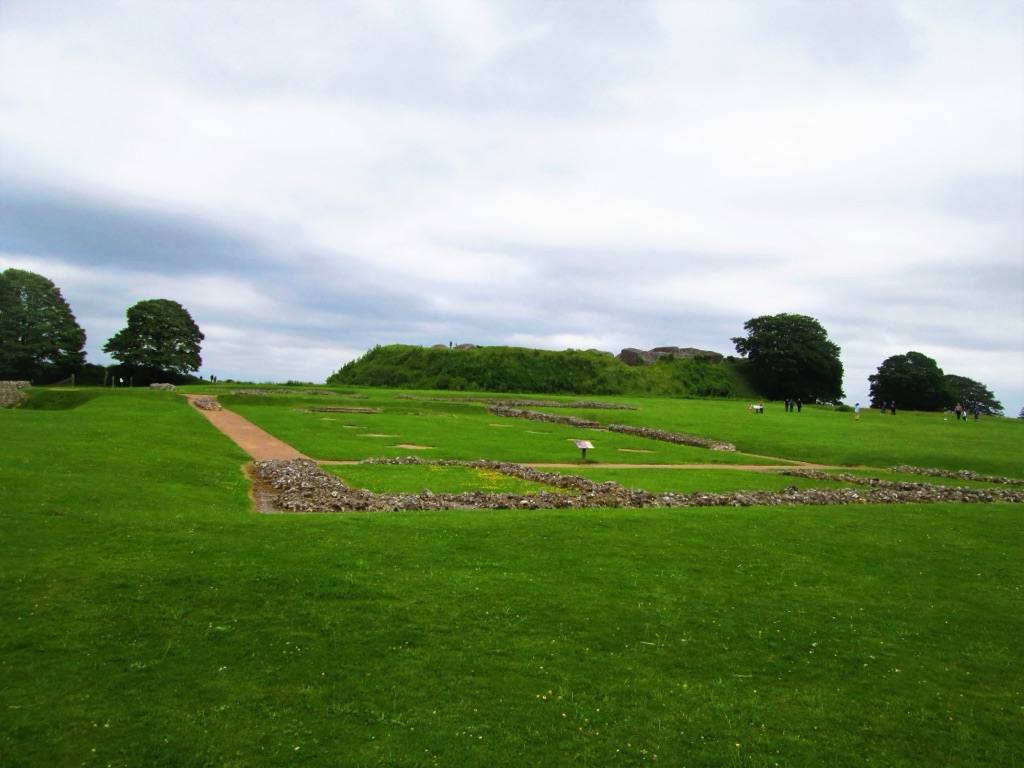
[(583, 445)]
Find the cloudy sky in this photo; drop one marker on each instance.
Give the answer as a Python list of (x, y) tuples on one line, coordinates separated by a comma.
[(312, 178)]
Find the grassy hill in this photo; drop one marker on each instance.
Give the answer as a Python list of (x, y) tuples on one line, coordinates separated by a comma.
[(516, 369)]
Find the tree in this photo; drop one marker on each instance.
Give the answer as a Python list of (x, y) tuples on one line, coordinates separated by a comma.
[(914, 381), (972, 393), (792, 356), (40, 340), (161, 337)]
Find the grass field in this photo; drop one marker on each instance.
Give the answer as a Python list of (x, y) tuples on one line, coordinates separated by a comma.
[(149, 618)]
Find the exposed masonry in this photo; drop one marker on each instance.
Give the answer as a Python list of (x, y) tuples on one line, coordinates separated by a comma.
[(322, 392), (299, 485), (524, 403), (646, 432), (11, 392), (207, 404)]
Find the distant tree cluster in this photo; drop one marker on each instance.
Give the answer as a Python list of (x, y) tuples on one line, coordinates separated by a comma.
[(789, 356), (42, 342), (916, 382), (161, 337), (39, 337), (792, 357)]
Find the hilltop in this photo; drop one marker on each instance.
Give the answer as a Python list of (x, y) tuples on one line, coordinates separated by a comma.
[(664, 371)]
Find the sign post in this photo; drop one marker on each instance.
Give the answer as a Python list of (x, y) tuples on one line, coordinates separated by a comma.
[(583, 445)]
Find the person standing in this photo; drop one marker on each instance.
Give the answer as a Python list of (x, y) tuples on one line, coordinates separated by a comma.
[(856, 412), (892, 407)]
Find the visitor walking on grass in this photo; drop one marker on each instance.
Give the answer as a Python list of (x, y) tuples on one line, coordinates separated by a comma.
[(856, 412)]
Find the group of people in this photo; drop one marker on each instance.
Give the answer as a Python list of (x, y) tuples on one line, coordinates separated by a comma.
[(792, 404), (961, 412)]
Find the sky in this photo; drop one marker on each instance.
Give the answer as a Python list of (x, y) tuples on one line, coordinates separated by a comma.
[(312, 178)]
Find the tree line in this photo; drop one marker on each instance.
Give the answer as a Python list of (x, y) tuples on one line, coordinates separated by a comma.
[(788, 356), (791, 357), (42, 342)]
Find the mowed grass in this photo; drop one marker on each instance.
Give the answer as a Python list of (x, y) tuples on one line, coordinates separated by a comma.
[(431, 477), (449, 427), (459, 430), (148, 617)]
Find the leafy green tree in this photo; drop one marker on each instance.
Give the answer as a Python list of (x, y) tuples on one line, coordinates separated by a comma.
[(972, 393), (161, 337), (40, 340), (792, 356), (914, 381)]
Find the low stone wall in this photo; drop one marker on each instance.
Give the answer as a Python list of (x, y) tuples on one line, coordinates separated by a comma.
[(11, 393), (645, 432), (299, 485), (581, 404)]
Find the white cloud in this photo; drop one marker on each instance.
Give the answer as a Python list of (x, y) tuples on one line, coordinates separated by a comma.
[(578, 174)]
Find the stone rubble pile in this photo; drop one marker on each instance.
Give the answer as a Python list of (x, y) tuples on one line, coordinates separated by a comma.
[(672, 437), (963, 474), (633, 356), (284, 391), (298, 485), (877, 482), (207, 404), (163, 387), (11, 392), (645, 432), (515, 413), (589, 404)]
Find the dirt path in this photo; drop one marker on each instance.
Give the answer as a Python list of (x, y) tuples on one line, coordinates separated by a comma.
[(261, 445)]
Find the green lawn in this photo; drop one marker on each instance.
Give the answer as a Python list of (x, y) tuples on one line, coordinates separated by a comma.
[(463, 430), (149, 618)]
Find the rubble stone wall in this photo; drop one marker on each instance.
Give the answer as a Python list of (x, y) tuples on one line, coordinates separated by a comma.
[(11, 392), (631, 356), (299, 485)]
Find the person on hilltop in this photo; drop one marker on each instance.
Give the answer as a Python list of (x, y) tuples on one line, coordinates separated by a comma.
[(856, 412)]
